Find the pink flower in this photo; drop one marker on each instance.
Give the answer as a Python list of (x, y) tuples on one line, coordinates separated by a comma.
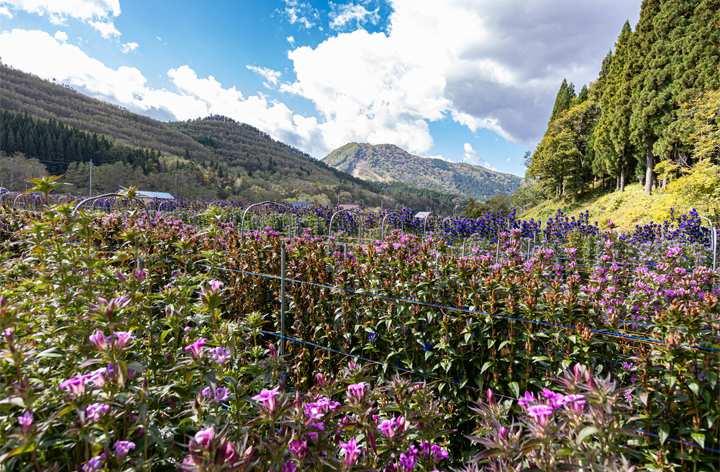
[(527, 399), (315, 436), (350, 450), (439, 453), (540, 413), (99, 340), (574, 402), (205, 436), (357, 391), (215, 285), (267, 398), (26, 421), (76, 385), (231, 454), (121, 339), (290, 467), (196, 348), (407, 461), (392, 426)]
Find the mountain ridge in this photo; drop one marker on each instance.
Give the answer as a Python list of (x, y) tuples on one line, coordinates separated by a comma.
[(390, 163)]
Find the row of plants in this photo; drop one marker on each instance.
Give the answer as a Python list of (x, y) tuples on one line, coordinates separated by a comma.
[(130, 346)]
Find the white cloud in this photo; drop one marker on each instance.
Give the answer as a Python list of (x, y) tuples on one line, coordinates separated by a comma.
[(342, 15), (129, 47), (271, 76), (61, 36), (495, 64), (291, 40), (472, 157), (41, 54), (159, 38), (5, 12), (304, 14), (106, 29), (57, 10)]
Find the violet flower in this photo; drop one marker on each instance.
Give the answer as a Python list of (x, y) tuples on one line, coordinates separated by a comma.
[(121, 339), (122, 448), (220, 355), (26, 421), (95, 411), (196, 348), (99, 340), (267, 398)]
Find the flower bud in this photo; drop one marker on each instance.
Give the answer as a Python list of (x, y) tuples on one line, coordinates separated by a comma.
[(320, 379), (273, 351), (490, 397)]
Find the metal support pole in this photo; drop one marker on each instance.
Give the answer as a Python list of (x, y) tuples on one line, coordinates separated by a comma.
[(497, 251), (344, 250), (463, 253), (282, 300)]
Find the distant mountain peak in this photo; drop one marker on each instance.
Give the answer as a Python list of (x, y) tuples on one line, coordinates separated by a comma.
[(391, 163)]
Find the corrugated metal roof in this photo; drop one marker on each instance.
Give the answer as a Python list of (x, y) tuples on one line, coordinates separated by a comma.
[(302, 204), (160, 195)]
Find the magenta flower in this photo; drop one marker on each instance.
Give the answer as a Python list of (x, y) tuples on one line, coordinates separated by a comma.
[(527, 399), (122, 448), (350, 450), (99, 340), (357, 391), (26, 421), (392, 426), (221, 394), (540, 413), (121, 339), (205, 436), (267, 398), (96, 411), (196, 348), (315, 436), (490, 397), (231, 454), (439, 453), (290, 467), (298, 448), (407, 461), (220, 355)]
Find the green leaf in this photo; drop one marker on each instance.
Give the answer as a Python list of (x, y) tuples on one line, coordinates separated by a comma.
[(515, 389), (52, 352), (664, 433), (695, 388), (700, 438), (485, 366), (164, 334), (587, 431), (27, 447)]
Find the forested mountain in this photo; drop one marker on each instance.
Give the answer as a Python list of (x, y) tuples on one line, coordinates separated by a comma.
[(653, 104), (204, 158), (389, 163)]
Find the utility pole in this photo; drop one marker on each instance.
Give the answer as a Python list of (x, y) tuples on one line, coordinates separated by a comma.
[(91, 177)]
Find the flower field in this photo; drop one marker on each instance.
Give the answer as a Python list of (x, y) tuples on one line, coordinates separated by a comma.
[(184, 343)]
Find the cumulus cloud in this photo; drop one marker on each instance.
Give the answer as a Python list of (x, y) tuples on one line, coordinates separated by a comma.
[(61, 36), (343, 16), (5, 12), (59, 10), (495, 64), (129, 47), (43, 55), (301, 13), (106, 29), (291, 40), (271, 76), (472, 157)]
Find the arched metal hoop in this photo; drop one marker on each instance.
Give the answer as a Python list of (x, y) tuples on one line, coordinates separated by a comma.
[(351, 213), (110, 195), (382, 226), (713, 243), (269, 202), (425, 220)]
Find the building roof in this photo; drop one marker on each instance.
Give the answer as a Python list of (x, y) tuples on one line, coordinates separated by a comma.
[(302, 204), (160, 195), (348, 207), (423, 214)]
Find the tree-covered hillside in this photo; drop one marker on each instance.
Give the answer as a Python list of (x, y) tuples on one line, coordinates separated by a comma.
[(649, 117), (215, 156), (389, 163)]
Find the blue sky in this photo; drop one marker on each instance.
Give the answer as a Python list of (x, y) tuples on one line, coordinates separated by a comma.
[(463, 80)]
